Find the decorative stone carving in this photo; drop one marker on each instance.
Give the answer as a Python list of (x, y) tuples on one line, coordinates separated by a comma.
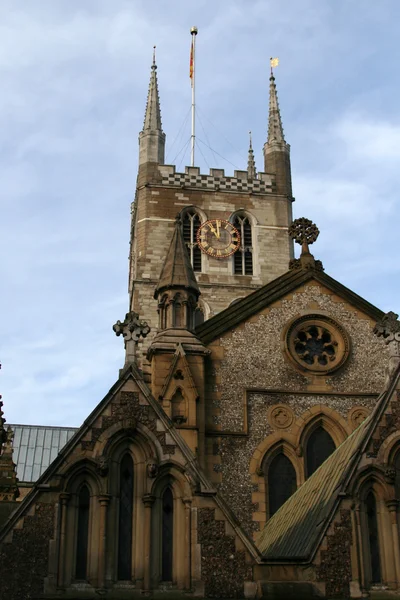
[(132, 328), (102, 466), (152, 470), (304, 232), (280, 416), (357, 415), (390, 475), (317, 344), (389, 328)]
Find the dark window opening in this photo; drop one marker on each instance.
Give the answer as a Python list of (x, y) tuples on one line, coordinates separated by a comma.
[(320, 445), (198, 317), (83, 533), (281, 482), (167, 534), (373, 538), (125, 519), (243, 258)]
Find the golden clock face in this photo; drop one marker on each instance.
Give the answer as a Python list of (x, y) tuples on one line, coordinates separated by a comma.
[(218, 238)]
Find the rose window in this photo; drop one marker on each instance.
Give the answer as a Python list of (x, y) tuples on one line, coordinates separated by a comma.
[(316, 343)]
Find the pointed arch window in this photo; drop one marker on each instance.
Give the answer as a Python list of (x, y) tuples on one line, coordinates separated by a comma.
[(82, 538), (125, 524), (243, 258), (373, 538), (198, 316), (320, 445), (190, 225), (280, 482), (167, 534)]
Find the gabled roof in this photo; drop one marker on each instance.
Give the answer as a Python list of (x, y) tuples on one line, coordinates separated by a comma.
[(273, 291), (294, 531)]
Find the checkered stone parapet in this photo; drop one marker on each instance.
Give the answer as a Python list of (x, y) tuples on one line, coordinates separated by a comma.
[(194, 179)]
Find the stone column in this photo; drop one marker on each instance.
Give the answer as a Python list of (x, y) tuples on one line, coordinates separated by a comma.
[(64, 500), (148, 501), (392, 506), (188, 542), (361, 550), (104, 500)]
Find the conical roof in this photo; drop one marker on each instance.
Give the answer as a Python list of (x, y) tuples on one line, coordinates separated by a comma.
[(251, 163), (177, 272)]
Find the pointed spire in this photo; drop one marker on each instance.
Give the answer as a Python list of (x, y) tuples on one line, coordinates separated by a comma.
[(152, 137), (177, 271), (152, 118), (251, 163), (275, 129)]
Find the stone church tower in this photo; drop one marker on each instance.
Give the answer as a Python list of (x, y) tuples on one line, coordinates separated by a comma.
[(259, 205)]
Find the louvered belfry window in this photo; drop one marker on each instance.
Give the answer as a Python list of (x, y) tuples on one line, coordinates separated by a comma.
[(243, 258), (190, 225), (281, 482), (320, 445), (167, 534), (125, 519), (82, 541)]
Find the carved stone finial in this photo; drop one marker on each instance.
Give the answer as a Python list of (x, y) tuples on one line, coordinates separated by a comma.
[(304, 232), (389, 328), (132, 328)]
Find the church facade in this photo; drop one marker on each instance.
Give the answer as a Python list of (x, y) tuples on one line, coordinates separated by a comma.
[(250, 446)]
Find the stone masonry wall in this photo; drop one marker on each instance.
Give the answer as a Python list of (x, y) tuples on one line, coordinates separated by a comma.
[(158, 203), (252, 357)]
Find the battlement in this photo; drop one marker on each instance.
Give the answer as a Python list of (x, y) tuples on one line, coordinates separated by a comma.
[(216, 180)]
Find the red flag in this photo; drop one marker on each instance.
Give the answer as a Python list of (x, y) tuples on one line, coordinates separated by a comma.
[(191, 64)]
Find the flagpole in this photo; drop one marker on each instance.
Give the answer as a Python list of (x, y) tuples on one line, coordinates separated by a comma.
[(193, 32)]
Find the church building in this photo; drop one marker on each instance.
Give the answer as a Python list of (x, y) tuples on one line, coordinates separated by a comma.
[(250, 445)]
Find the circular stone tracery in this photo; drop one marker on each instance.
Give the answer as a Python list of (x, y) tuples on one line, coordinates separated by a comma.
[(317, 343)]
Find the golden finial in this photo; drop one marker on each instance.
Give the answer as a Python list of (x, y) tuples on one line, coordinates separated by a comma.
[(274, 62)]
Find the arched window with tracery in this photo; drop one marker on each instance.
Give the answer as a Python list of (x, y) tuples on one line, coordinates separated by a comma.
[(320, 445), (125, 521), (280, 478), (167, 546), (373, 538), (243, 258), (190, 225), (82, 538)]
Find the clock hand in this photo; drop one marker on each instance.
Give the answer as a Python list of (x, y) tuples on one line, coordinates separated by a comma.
[(212, 229), (218, 234)]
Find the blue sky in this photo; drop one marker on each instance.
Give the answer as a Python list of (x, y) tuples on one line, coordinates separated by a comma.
[(74, 83)]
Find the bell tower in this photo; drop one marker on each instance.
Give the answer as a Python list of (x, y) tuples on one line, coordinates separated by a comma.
[(258, 204)]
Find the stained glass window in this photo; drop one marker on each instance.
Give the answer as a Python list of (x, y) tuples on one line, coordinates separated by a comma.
[(281, 482), (83, 533), (125, 519), (372, 520), (167, 534), (320, 445)]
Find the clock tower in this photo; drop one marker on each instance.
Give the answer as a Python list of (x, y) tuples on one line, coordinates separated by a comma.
[(235, 227)]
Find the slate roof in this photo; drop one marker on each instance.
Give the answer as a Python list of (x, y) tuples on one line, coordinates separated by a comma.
[(271, 292), (177, 271), (294, 530), (35, 447)]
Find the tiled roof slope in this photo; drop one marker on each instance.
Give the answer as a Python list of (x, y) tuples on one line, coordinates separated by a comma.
[(294, 530), (35, 447)]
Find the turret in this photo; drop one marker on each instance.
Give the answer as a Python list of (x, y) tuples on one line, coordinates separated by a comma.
[(276, 150)]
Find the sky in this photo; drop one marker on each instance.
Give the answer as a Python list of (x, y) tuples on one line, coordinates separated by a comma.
[(75, 75)]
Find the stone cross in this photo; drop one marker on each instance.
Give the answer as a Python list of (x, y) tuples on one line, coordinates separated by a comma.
[(132, 328), (389, 328), (304, 232)]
